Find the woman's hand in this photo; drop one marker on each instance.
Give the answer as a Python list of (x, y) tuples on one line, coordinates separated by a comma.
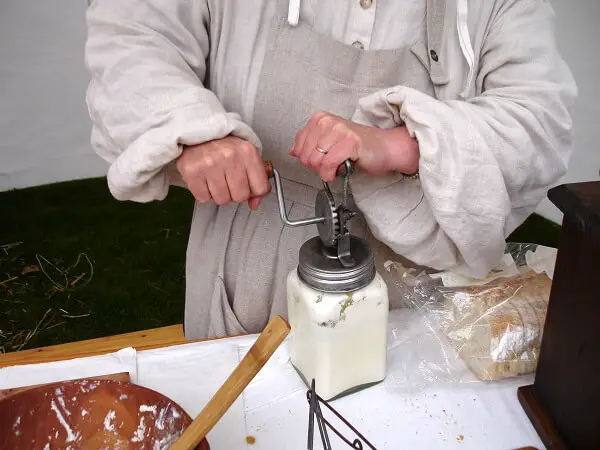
[(224, 170), (327, 141)]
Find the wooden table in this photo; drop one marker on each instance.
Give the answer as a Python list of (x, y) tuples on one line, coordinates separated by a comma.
[(140, 340)]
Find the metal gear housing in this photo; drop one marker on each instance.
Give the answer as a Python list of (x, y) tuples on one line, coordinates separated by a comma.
[(330, 228)]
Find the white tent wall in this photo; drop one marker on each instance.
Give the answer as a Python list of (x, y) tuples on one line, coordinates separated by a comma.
[(44, 122), (578, 31), (45, 128)]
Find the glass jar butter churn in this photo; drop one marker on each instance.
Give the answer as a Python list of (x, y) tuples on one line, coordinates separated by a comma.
[(337, 302)]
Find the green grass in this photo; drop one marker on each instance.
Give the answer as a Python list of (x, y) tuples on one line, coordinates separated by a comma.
[(77, 264), (136, 251)]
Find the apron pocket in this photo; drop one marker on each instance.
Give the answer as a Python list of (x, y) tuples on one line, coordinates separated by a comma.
[(223, 321)]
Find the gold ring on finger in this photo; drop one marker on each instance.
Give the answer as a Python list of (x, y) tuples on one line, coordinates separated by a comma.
[(322, 150)]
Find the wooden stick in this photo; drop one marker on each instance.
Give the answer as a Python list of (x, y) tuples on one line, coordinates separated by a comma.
[(140, 340), (258, 355), (268, 168)]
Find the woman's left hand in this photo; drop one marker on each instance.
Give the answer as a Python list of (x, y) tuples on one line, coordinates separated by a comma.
[(327, 141)]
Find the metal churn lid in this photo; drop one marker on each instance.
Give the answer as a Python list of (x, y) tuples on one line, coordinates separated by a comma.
[(320, 267)]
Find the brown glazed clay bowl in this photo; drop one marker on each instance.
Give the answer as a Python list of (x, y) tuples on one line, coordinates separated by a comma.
[(91, 415)]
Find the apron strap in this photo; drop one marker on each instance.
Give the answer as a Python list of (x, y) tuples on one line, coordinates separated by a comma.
[(436, 16), (290, 9)]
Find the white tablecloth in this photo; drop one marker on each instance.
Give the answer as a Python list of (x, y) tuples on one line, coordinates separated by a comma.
[(124, 360), (401, 412)]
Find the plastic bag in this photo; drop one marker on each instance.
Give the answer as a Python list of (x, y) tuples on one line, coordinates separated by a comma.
[(466, 330)]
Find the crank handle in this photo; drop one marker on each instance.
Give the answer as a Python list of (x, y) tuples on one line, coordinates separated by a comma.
[(347, 167), (344, 170), (273, 173)]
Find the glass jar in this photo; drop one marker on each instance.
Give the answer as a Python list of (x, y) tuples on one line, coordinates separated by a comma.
[(338, 317)]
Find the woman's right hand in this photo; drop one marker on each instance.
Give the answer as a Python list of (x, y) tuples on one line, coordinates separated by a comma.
[(224, 170)]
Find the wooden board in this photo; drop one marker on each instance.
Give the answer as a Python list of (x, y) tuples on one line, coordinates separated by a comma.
[(566, 390), (539, 419), (140, 340)]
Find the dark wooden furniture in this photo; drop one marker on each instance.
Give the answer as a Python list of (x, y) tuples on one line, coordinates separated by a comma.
[(563, 403)]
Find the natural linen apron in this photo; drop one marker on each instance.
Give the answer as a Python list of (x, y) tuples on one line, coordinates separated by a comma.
[(237, 259)]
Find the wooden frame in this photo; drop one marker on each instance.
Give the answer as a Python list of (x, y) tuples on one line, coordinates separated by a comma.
[(140, 340)]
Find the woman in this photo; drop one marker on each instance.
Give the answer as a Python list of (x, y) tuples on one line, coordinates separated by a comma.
[(469, 99)]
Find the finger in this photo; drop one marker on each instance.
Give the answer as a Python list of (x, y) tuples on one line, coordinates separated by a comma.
[(310, 143), (237, 182), (254, 203), (301, 145), (321, 127), (256, 176), (199, 189), (217, 186), (326, 141), (316, 117), (346, 148), (299, 142), (316, 157)]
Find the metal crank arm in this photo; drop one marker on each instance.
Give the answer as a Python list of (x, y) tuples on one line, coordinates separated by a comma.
[(333, 231), (273, 173)]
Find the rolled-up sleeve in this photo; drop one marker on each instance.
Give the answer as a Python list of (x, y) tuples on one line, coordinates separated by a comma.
[(146, 97), (485, 163)]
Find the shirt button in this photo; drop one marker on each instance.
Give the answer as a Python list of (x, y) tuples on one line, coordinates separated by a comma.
[(358, 44), (366, 4), (434, 55)]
